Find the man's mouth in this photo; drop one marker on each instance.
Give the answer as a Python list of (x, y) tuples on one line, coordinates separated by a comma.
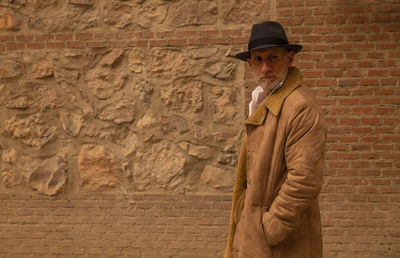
[(267, 77)]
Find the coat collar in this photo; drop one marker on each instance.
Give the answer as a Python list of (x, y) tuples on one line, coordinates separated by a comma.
[(274, 102)]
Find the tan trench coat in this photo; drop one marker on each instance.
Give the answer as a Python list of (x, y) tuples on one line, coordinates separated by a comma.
[(275, 209)]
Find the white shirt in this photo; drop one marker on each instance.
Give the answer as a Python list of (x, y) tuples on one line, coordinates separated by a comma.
[(258, 96)]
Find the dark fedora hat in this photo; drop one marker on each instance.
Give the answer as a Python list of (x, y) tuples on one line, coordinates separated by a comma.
[(267, 34)]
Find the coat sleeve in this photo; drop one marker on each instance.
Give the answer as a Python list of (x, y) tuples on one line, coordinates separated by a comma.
[(304, 154), (238, 196)]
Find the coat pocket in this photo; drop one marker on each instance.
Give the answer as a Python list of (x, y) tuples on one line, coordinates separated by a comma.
[(274, 231)]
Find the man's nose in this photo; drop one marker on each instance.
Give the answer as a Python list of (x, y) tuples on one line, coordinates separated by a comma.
[(265, 67)]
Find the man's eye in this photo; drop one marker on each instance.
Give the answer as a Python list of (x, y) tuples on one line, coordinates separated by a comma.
[(258, 59)]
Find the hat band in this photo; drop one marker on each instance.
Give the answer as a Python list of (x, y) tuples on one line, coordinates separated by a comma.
[(266, 41)]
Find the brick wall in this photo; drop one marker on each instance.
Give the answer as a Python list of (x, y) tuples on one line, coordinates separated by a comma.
[(112, 225), (351, 62)]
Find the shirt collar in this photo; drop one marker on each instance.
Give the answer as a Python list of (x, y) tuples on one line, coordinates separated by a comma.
[(274, 102)]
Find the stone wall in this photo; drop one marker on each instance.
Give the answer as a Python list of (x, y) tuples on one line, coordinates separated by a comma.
[(127, 116), (99, 98)]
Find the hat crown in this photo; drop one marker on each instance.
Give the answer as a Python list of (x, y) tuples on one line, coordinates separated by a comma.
[(265, 35), (268, 32)]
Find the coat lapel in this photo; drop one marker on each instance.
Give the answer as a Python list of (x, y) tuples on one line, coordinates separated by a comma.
[(274, 102)]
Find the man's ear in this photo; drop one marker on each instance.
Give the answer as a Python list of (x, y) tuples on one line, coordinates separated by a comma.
[(248, 62), (291, 57)]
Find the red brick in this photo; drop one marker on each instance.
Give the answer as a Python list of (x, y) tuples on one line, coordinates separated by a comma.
[(228, 33), (391, 28), (370, 139), (361, 147), (199, 41), (321, 47), (386, 46), (237, 40), (285, 13), (63, 36), (84, 36), (366, 64), (323, 11), (323, 83), (35, 45), (384, 92), (312, 74), (352, 9), (370, 101), (364, 46), (347, 29), (349, 139), (388, 100), (345, 64), (363, 110), (311, 56), (44, 37), (165, 34), (116, 43), (144, 34), (331, 56), (209, 33), (224, 41), (6, 38), (15, 46), (380, 37), (54, 45), (356, 37), (343, 46), (349, 156), (395, 72), (96, 44), (24, 37), (340, 111), (391, 121), (376, 55), (154, 43), (293, 21), (311, 38), (383, 147), (313, 20), (353, 73), (186, 33), (76, 44), (109, 35), (362, 130), (334, 38), (358, 181), (370, 28), (327, 101), (349, 121), (177, 42), (143, 43), (387, 63), (385, 110), (335, 20), (349, 101), (391, 139), (369, 121), (358, 19)]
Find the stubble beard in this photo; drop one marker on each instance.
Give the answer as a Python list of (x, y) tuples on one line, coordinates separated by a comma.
[(269, 85)]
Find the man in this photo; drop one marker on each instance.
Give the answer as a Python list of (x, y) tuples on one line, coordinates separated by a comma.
[(275, 210)]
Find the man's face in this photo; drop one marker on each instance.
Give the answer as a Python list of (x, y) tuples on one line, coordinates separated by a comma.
[(270, 66)]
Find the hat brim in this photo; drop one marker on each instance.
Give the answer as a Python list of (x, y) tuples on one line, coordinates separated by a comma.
[(244, 55)]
